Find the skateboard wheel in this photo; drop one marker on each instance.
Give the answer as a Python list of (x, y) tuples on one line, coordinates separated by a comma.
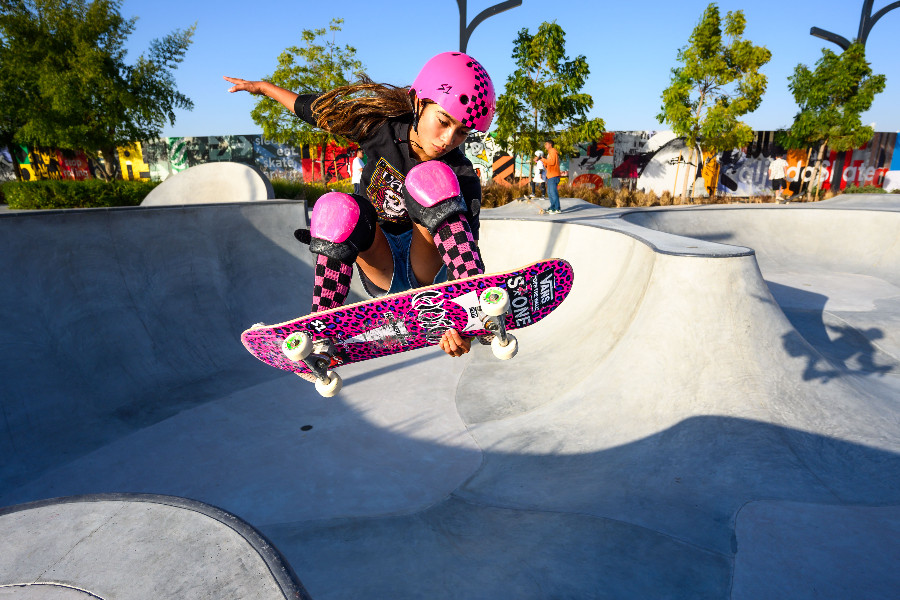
[(505, 352), (494, 301), (297, 346), (332, 387)]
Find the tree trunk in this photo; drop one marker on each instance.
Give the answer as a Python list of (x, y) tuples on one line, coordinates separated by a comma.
[(108, 168), (687, 176), (714, 184), (677, 168), (698, 173), (806, 189), (819, 168)]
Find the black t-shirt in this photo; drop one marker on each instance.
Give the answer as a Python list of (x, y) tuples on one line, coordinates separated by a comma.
[(388, 162)]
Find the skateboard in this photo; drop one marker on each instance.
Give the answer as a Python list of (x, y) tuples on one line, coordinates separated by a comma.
[(484, 306)]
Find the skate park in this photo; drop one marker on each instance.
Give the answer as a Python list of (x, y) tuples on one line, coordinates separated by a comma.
[(712, 413)]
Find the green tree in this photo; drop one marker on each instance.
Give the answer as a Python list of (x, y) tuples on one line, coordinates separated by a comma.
[(312, 68), (64, 82), (832, 99), (717, 83), (542, 97)]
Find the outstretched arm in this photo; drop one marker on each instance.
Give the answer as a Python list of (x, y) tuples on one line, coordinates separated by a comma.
[(285, 97)]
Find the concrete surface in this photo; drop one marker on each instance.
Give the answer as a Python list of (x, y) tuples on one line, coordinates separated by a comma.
[(713, 412), (137, 546), (212, 183)]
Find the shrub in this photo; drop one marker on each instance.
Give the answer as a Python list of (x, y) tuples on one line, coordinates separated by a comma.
[(68, 193), (865, 189), (288, 189), (494, 195)]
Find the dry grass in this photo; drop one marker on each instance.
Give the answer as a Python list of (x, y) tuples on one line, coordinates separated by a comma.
[(494, 195)]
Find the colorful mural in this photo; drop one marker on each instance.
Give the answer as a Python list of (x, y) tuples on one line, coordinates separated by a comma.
[(644, 160), (31, 164), (660, 162), (7, 167)]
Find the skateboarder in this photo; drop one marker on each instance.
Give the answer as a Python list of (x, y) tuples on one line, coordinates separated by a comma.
[(418, 222)]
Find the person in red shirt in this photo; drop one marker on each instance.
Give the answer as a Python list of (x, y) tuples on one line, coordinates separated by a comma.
[(552, 164)]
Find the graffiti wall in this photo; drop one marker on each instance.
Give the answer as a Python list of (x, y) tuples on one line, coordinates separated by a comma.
[(19, 162), (660, 162), (655, 161)]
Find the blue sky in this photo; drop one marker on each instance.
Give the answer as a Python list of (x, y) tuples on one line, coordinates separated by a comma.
[(630, 47)]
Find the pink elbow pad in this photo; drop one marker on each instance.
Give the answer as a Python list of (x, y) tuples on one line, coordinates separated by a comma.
[(432, 182), (333, 217)]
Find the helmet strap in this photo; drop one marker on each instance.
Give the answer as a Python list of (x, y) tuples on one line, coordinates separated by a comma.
[(417, 114)]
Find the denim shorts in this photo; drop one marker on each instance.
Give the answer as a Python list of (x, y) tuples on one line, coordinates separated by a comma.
[(403, 278)]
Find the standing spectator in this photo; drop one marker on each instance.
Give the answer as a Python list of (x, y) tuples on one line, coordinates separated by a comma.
[(356, 169), (777, 171), (540, 174), (552, 164)]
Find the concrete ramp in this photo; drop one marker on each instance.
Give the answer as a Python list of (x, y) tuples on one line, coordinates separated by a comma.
[(709, 414), (212, 183)]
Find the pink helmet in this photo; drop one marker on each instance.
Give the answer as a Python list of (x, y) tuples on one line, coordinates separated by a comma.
[(461, 86)]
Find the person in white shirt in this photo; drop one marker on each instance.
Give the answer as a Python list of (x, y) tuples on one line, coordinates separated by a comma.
[(777, 173), (540, 174), (356, 169)]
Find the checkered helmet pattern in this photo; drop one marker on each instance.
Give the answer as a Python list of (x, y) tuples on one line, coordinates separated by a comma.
[(461, 86)]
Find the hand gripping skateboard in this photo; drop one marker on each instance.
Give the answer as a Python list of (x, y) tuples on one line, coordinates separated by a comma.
[(486, 306)]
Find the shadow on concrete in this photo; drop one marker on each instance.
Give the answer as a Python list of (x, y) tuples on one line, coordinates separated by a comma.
[(123, 372), (840, 349), (652, 518)]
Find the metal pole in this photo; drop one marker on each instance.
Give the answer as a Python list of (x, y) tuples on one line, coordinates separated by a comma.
[(866, 21), (466, 31)]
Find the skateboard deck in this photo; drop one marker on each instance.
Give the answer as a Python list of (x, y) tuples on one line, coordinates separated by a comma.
[(415, 318)]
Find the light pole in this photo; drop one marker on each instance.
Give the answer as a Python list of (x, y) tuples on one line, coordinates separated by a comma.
[(466, 30), (866, 21)]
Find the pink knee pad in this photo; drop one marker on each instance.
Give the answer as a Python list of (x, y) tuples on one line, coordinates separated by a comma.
[(432, 182), (334, 217)]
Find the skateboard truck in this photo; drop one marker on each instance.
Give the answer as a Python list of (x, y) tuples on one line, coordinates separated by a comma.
[(494, 302), (316, 355)]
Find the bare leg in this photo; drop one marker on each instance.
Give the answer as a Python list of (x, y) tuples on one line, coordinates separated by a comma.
[(424, 256), (378, 262)]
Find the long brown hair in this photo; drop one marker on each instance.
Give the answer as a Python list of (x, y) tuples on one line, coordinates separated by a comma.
[(354, 111)]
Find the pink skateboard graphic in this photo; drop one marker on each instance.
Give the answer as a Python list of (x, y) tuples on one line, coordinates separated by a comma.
[(492, 304)]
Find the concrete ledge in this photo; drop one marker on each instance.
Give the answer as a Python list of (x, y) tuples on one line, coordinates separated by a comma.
[(137, 546)]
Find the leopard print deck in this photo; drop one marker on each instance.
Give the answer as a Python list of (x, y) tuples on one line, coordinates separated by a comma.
[(416, 318)]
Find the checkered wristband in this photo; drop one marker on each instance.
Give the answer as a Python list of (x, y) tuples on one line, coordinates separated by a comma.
[(331, 284), (457, 247)]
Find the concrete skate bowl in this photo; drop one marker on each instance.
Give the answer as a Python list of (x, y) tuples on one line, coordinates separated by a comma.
[(660, 435), (835, 273)]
